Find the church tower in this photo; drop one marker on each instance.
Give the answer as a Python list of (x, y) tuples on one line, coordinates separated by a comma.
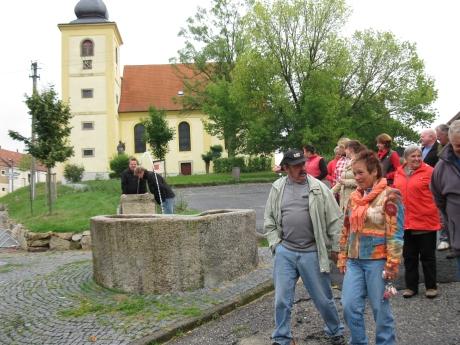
[(91, 83)]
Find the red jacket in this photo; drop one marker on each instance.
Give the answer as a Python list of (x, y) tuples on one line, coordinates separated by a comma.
[(330, 171), (421, 212)]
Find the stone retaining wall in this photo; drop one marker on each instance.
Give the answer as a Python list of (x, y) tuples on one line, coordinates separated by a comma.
[(43, 241)]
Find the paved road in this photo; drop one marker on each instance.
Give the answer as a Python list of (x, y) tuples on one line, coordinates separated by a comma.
[(246, 195), (419, 321)]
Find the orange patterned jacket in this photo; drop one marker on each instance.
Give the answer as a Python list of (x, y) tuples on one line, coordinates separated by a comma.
[(382, 234)]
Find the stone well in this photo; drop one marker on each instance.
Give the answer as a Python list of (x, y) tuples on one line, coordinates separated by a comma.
[(164, 253)]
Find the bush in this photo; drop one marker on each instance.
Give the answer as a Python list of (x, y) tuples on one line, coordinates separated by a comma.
[(118, 164), (225, 165), (251, 164), (258, 164), (73, 172)]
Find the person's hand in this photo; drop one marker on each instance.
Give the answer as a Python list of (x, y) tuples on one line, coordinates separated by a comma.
[(389, 275), (342, 269), (334, 256)]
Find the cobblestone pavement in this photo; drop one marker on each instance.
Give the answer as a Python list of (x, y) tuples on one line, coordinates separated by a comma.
[(50, 298)]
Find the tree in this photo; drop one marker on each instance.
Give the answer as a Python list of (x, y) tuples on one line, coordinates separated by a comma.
[(214, 152), (213, 41), (25, 162), (386, 88), (301, 82), (118, 164), (51, 127), (157, 133)]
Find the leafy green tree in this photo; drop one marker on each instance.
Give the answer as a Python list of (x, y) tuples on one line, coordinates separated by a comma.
[(51, 127), (207, 158), (118, 164), (157, 133), (302, 82), (213, 41), (386, 88), (214, 153), (25, 162)]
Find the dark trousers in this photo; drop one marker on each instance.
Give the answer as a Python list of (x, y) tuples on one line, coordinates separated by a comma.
[(420, 247)]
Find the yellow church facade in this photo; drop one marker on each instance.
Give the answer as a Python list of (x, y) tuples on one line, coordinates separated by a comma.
[(108, 106)]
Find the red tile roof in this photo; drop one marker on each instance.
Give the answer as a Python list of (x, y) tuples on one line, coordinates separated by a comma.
[(6, 157), (157, 85)]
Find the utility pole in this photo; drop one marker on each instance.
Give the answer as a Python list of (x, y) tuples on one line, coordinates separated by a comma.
[(34, 76)]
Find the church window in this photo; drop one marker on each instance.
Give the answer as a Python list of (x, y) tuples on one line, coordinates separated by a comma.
[(87, 152), (86, 93), (139, 141), (87, 125), (184, 136), (87, 48), (87, 64)]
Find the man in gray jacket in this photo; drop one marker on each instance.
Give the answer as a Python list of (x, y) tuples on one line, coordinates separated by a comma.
[(302, 223), (445, 185)]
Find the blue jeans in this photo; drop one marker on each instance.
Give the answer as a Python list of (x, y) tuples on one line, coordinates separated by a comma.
[(289, 265), (168, 206), (363, 278)]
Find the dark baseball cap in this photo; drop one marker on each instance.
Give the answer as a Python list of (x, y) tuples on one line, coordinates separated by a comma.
[(293, 157)]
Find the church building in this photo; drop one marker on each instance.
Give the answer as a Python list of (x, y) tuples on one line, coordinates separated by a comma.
[(108, 106)]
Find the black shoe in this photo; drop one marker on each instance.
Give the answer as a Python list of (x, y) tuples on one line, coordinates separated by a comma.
[(338, 340)]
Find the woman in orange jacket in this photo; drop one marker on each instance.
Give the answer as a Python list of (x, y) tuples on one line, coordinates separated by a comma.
[(420, 223)]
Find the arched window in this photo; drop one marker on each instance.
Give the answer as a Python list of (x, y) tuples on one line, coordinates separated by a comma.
[(139, 142), (184, 136), (87, 48)]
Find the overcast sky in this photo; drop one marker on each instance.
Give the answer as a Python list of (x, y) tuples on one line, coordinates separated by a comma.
[(149, 30)]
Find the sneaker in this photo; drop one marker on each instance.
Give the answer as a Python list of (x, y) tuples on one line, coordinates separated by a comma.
[(443, 245), (408, 293), (431, 293), (338, 340)]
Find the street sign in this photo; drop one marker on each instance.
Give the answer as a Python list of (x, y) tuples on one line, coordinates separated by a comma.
[(15, 174)]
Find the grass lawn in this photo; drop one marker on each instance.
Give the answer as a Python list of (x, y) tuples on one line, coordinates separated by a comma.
[(73, 209)]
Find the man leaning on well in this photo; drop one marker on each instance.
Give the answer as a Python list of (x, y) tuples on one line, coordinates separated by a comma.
[(302, 223)]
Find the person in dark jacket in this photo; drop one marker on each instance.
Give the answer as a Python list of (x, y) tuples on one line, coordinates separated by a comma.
[(442, 133), (162, 192), (387, 157), (130, 183), (445, 184), (430, 146)]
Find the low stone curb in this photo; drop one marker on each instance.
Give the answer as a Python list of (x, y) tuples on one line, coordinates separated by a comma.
[(219, 310)]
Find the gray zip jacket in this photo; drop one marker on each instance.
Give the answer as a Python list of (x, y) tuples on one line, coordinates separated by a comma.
[(445, 186), (325, 215)]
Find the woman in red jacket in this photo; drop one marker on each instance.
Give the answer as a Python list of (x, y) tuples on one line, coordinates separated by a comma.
[(421, 222)]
